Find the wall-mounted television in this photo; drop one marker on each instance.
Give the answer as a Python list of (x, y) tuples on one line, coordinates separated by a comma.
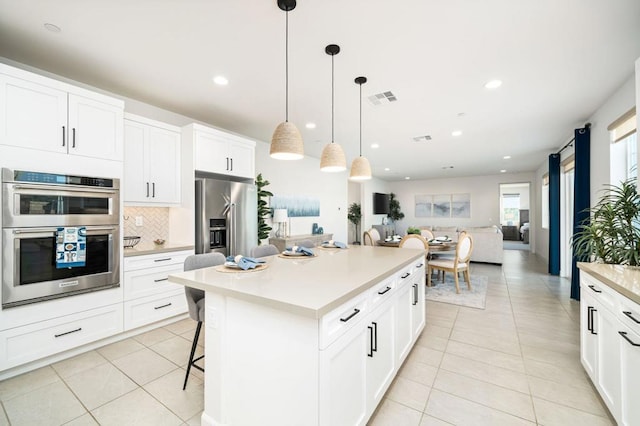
[(380, 203)]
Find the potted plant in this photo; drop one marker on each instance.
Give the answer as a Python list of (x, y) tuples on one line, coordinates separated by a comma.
[(263, 209), (355, 215), (394, 208), (612, 233)]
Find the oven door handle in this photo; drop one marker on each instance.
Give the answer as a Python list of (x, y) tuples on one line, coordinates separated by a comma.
[(63, 189), (43, 230)]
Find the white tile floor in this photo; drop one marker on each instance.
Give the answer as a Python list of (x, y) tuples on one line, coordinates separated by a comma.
[(515, 362)]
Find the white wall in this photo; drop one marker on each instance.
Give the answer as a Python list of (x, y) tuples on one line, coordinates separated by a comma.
[(485, 198), (617, 104), (303, 177), (367, 188)]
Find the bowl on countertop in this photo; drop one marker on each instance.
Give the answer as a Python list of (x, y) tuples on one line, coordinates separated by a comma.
[(159, 242)]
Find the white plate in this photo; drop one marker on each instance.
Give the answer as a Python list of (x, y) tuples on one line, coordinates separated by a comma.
[(232, 265), (292, 253)]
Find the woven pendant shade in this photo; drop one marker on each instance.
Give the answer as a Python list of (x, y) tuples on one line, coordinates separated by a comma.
[(360, 169), (286, 143), (333, 159)]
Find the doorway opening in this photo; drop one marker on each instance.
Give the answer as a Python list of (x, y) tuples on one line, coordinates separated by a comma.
[(514, 215)]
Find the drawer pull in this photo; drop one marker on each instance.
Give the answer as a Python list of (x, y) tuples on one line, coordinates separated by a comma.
[(405, 275), (162, 260), (624, 334), (384, 291), (594, 289), (355, 312), (161, 279), (420, 265), (68, 332), (628, 313), (162, 306)]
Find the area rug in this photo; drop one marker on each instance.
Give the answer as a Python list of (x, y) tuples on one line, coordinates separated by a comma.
[(446, 292)]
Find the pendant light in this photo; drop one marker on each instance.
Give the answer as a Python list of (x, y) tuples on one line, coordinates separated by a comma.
[(286, 143), (360, 167), (332, 159)]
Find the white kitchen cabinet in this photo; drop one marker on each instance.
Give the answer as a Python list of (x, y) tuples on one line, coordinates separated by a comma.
[(48, 115), (380, 358), (418, 307), (151, 162), (148, 295), (588, 337), (629, 379), (219, 152)]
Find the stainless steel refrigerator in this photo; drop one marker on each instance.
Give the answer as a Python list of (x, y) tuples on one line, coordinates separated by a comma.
[(226, 212)]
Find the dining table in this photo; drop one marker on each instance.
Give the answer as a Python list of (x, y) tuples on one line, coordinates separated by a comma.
[(433, 246)]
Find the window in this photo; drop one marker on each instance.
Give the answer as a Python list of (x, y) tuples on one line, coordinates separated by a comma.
[(545, 201), (624, 148), (510, 214)]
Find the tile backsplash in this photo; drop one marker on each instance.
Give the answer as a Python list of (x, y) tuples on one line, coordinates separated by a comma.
[(155, 223)]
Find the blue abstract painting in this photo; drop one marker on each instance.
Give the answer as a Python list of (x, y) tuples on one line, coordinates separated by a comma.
[(297, 205)]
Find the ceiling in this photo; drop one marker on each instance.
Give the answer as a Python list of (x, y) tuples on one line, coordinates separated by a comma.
[(558, 61)]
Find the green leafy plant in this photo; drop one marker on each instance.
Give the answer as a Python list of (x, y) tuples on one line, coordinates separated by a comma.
[(264, 211), (612, 233), (355, 216), (413, 230), (394, 208)]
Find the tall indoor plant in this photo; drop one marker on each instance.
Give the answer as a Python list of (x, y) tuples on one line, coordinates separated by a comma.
[(355, 216), (612, 233), (394, 208), (264, 211)]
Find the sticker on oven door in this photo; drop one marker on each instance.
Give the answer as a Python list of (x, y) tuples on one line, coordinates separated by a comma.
[(71, 244)]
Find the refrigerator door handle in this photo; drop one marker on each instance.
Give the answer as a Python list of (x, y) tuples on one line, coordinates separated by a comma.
[(232, 238)]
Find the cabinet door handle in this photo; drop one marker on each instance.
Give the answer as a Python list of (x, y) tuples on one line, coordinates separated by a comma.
[(384, 291), (68, 332), (160, 280), (589, 317), (595, 289), (628, 313), (73, 133), (162, 306), (153, 190), (64, 135), (227, 163), (355, 312), (147, 189), (593, 329), (375, 336), (624, 334), (405, 275), (370, 354), (415, 294), (231, 164), (162, 260)]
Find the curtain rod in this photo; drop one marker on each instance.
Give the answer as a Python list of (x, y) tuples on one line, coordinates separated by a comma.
[(568, 144)]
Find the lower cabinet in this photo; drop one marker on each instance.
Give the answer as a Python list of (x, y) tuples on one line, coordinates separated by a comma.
[(148, 296), (380, 361), (630, 377)]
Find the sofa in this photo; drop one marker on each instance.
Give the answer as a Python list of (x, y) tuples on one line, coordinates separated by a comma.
[(487, 240)]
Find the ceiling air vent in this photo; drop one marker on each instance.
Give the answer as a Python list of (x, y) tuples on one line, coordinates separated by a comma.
[(424, 138), (383, 97)]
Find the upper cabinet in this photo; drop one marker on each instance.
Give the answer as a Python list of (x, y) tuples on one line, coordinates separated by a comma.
[(47, 115), (151, 162), (216, 151)]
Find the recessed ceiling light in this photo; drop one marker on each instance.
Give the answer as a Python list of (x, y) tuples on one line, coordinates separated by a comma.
[(53, 28), (493, 84), (310, 125), (375, 146), (507, 157), (456, 133), (386, 169), (220, 80), (503, 171), (407, 178)]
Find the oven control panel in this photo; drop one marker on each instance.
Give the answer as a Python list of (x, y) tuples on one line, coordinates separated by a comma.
[(52, 178)]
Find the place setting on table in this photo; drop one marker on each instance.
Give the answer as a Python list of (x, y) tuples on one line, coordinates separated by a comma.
[(297, 252), (333, 245), (242, 263)]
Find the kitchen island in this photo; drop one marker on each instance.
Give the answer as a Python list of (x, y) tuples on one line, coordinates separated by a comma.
[(308, 340)]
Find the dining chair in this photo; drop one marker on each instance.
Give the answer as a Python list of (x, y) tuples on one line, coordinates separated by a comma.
[(305, 243), (427, 234), (266, 250), (414, 241), (195, 302), (459, 263), (371, 237)]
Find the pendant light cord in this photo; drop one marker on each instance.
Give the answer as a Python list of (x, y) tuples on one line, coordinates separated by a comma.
[(332, 101), (360, 120), (286, 61)]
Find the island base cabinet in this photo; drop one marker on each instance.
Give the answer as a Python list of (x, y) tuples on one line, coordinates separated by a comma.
[(380, 356), (606, 325), (588, 337), (630, 378)]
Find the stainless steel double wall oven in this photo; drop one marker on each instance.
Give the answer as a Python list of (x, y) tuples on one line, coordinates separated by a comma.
[(35, 206)]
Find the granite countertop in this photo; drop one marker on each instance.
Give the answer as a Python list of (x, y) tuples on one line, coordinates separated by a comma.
[(308, 286), (143, 248), (623, 279)]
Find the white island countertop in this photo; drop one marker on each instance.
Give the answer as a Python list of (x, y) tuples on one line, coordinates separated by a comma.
[(308, 286), (623, 279)]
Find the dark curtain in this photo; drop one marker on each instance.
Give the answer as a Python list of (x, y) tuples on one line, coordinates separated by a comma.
[(554, 214), (581, 198)]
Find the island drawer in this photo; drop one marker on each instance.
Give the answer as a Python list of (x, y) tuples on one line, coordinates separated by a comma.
[(340, 320), (146, 310), (602, 293)]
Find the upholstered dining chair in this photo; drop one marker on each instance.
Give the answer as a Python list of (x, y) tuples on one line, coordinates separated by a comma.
[(195, 302), (426, 234), (370, 237), (414, 241), (266, 250), (459, 263)]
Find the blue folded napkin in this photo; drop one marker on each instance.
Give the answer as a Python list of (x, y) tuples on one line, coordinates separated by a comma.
[(337, 244), (245, 262), (299, 249)]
